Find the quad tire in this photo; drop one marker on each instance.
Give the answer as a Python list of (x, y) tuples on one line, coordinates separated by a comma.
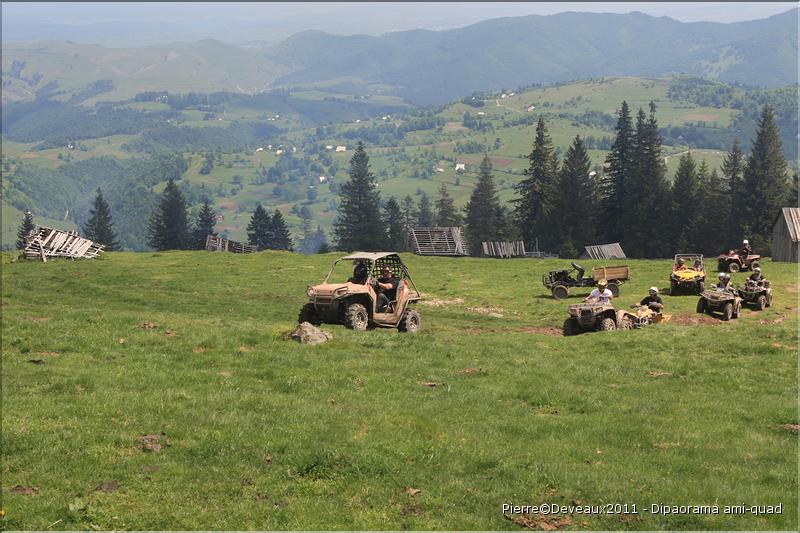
[(560, 292), (607, 324), (754, 265), (614, 288), (769, 300), (701, 305), (410, 322), (625, 323), (761, 302), (737, 310), (701, 286), (356, 317), (733, 267), (571, 327), (727, 312), (309, 314)]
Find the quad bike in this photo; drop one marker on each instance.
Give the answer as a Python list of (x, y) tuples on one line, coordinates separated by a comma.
[(723, 301), (590, 316), (733, 262), (643, 316), (690, 278), (757, 294), (560, 281), (355, 304)]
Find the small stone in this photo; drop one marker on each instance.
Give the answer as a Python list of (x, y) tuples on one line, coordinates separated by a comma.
[(307, 333)]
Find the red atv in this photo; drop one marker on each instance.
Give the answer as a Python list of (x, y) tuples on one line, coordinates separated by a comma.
[(733, 262)]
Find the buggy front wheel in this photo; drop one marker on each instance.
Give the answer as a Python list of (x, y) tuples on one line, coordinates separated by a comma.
[(410, 322)]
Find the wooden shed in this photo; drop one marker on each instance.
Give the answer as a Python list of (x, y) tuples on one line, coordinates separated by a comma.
[(438, 241), (603, 251), (785, 234)]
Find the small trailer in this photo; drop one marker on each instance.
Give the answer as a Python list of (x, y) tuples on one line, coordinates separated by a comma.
[(560, 281)]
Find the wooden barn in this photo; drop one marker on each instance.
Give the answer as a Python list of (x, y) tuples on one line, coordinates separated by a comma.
[(785, 233), (603, 251)]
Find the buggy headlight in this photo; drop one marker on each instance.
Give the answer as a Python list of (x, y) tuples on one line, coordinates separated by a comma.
[(310, 291)]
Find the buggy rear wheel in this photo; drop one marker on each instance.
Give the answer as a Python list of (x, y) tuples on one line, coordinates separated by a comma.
[(727, 312), (560, 292), (733, 267), (614, 288), (761, 302), (356, 317), (410, 322)]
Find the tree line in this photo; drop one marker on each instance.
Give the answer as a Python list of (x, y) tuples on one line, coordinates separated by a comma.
[(563, 205)]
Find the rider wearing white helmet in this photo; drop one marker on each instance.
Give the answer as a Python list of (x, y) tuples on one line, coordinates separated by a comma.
[(653, 300), (756, 275)]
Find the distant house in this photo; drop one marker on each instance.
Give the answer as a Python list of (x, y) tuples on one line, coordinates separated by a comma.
[(323, 179), (603, 251), (438, 169), (358, 121), (329, 147), (504, 95), (481, 114), (294, 149), (511, 94), (259, 149), (531, 107), (785, 234), (341, 148), (460, 166), (269, 147), (278, 152)]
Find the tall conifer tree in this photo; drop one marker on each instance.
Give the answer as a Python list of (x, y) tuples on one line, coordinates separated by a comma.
[(206, 220), (100, 227), (483, 211), (575, 216), (446, 213), (259, 230), (25, 227), (612, 190), (279, 231), (424, 212), (358, 226), (396, 234), (169, 226)]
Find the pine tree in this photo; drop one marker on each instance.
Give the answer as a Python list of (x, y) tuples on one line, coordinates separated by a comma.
[(169, 227), (25, 227), (100, 228), (766, 182), (446, 213), (715, 208), (281, 239), (538, 190), (206, 220), (424, 212), (575, 216), (307, 244), (648, 192), (322, 242), (684, 205), (612, 190), (358, 226), (409, 211), (396, 234), (483, 211), (733, 182), (259, 230)]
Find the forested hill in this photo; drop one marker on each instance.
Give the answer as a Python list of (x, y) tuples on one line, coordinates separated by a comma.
[(430, 67)]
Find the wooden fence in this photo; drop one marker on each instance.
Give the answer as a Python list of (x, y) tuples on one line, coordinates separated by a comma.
[(218, 244), (504, 249), (438, 241)]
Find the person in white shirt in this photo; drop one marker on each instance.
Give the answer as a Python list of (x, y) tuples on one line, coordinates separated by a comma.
[(600, 294)]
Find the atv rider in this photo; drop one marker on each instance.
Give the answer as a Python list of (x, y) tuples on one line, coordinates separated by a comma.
[(386, 288), (653, 301), (600, 294), (745, 251), (756, 276), (681, 264), (725, 283)]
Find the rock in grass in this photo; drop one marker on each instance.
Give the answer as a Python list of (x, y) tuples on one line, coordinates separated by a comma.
[(307, 333)]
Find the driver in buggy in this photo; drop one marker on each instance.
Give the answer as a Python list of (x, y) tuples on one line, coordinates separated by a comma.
[(386, 287)]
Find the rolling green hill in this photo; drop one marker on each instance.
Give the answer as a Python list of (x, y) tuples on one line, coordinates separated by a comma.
[(412, 150), (486, 405)]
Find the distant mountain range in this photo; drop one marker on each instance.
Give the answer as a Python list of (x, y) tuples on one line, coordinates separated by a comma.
[(434, 67), (424, 67)]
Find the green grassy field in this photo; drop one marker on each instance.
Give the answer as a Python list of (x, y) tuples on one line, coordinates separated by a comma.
[(262, 433)]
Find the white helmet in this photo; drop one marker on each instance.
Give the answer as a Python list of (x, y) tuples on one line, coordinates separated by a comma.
[(721, 275), (757, 269), (745, 241), (654, 290)]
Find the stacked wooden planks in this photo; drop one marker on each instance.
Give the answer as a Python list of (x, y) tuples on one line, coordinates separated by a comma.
[(47, 243), (504, 249), (438, 241), (218, 244)]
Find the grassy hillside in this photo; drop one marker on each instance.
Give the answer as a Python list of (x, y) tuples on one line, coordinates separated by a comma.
[(259, 432)]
